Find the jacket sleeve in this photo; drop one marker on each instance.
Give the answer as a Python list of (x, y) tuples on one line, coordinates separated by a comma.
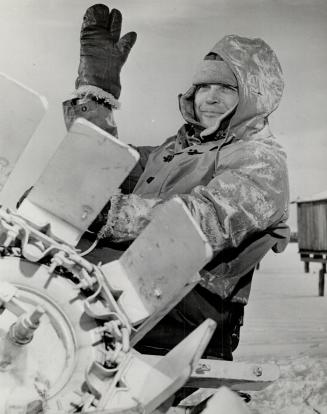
[(91, 110), (247, 195)]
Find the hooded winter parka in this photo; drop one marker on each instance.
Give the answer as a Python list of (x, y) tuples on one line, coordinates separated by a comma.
[(234, 180)]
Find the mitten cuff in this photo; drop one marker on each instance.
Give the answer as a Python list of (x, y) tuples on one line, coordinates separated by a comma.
[(98, 94)]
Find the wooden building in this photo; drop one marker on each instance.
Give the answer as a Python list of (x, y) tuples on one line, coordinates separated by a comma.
[(312, 233)]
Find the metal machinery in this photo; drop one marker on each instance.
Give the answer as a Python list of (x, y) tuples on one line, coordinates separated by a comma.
[(68, 326)]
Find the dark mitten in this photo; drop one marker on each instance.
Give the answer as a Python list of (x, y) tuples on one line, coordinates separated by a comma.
[(103, 52)]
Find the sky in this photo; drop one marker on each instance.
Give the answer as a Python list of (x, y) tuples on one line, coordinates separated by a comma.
[(40, 48)]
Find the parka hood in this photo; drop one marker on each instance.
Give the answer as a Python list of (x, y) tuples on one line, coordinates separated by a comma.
[(260, 83)]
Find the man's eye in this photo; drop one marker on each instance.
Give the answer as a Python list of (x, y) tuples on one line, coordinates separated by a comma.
[(204, 88), (229, 88)]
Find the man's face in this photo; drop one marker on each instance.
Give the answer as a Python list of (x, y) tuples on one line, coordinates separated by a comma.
[(212, 101)]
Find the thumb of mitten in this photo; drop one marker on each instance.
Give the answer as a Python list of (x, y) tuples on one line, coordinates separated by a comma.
[(126, 43)]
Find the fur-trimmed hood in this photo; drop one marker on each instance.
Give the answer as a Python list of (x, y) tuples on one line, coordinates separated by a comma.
[(260, 83)]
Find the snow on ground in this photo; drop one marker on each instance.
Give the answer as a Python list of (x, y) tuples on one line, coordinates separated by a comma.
[(286, 323), (301, 389)]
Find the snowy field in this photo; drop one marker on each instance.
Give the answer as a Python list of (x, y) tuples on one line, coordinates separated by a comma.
[(286, 323)]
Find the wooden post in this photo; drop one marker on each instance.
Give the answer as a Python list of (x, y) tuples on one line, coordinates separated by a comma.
[(306, 267), (322, 272)]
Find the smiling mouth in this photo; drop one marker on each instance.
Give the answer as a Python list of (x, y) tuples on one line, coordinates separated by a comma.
[(211, 113)]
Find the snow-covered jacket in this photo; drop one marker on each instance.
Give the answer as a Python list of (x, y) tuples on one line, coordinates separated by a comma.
[(234, 181)]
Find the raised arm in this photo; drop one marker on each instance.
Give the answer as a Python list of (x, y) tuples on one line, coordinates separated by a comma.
[(102, 55)]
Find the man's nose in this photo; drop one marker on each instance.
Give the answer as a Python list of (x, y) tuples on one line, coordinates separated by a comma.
[(213, 96)]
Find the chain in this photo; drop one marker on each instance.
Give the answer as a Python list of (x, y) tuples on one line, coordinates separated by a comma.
[(118, 335)]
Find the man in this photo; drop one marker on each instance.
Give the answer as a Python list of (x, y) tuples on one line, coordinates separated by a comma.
[(223, 163)]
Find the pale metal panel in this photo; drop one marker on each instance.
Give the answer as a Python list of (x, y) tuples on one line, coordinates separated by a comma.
[(161, 265), (21, 112), (83, 174)]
